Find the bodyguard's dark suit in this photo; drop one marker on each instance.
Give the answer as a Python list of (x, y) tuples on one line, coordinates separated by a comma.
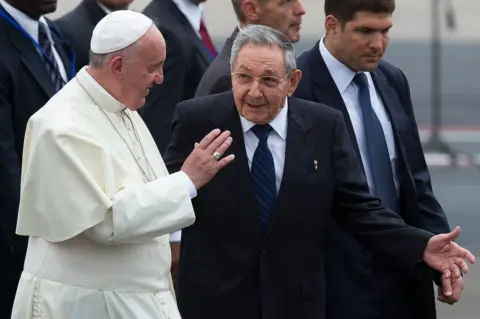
[(187, 60), (371, 288), (228, 267), (218, 78), (77, 26), (25, 87)]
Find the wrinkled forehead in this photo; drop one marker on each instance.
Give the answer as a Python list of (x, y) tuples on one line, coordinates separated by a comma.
[(260, 60)]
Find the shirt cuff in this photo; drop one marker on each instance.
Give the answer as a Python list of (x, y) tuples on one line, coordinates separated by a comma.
[(176, 236), (192, 190)]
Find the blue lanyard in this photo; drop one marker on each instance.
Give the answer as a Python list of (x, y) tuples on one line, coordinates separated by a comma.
[(19, 28)]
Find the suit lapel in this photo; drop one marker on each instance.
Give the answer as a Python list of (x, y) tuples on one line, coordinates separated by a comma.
[(394, 109), (299, 148), (326, 91), (205, 56), (32, 60), (237, 173)]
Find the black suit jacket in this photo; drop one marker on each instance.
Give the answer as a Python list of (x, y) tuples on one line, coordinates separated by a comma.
[(368, 285), (218, 78), (25, 87), (228, 267), (187, 59), (78, 25)]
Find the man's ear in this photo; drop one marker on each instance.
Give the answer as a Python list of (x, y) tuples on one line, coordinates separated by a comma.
[(294, 80), (251, 10)]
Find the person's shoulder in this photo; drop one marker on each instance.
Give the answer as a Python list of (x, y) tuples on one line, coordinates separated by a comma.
[(314, 110), (63, 114), (199, 106), (390, 70), (71, 17)]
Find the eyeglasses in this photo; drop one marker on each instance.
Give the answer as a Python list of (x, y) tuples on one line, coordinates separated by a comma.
[(265, 81)]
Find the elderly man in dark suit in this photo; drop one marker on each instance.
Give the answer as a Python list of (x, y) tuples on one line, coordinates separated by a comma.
[(256, 249), (35, 63), (78, 25), (283, 16), (344, 70)]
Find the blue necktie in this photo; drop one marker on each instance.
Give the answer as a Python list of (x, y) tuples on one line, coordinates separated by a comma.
[(377, 149), (46, 45), (263, 173)]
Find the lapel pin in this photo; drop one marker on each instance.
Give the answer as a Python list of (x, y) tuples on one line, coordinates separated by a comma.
[(315, 164)]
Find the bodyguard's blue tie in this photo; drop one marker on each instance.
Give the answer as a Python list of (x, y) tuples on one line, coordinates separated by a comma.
[(379, 157), (52, 68), (263, 173)]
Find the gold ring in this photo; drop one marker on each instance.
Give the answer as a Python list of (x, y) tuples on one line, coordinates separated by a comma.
[(217, 155)]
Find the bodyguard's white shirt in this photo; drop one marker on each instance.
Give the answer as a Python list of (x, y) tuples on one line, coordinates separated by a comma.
[(343, 77), (31, 27)]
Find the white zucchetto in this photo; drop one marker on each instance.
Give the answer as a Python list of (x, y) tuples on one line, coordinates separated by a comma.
[(117, 30)]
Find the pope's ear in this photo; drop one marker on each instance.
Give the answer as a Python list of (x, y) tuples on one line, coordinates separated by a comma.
[(116, 65)]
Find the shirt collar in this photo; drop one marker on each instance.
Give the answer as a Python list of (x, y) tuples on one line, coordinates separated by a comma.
[(28, 24), (104, 8), (192, 12), (279, 123), (99, 95), (341, 74)]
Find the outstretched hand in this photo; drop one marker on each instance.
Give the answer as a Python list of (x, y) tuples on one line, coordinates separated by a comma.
[(443, 254)]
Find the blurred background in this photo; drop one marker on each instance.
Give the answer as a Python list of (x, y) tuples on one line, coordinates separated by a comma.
[(436, 43)]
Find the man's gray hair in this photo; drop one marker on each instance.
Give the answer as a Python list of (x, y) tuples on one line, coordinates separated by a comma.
[(263, 35)]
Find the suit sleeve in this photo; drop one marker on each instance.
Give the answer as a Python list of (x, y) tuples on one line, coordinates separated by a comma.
[(160, 105), (431, 213), (9, 172), (93, 199), (363, 215)]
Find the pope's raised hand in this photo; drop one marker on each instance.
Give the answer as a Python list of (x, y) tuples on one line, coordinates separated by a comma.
[(442, 253), (205, 160)]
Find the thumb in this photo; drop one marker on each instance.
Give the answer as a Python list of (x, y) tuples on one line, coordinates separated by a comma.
[(452, 235)]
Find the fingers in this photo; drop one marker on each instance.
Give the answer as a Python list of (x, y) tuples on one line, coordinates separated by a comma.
[(463, 253), (462, 264), (225, 145), (219, 143), (209, 138), (225, 161), (456, 272), (446, 283)]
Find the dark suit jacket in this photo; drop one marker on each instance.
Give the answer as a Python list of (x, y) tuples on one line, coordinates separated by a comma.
[(25, 87), (357, 277), (228, 267), (78, 25), (218, 76), (187, 60)]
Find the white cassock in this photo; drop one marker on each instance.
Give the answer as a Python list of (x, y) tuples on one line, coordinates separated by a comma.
[(98, 205)]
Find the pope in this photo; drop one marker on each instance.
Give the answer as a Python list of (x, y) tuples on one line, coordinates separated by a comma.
[(96, 199)]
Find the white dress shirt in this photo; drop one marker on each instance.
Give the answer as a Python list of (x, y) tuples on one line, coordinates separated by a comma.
[(277, 143), (31, 27), (343, 77), (193, 12)]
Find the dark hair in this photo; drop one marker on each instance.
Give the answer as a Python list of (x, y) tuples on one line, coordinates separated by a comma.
[(345, 10)]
